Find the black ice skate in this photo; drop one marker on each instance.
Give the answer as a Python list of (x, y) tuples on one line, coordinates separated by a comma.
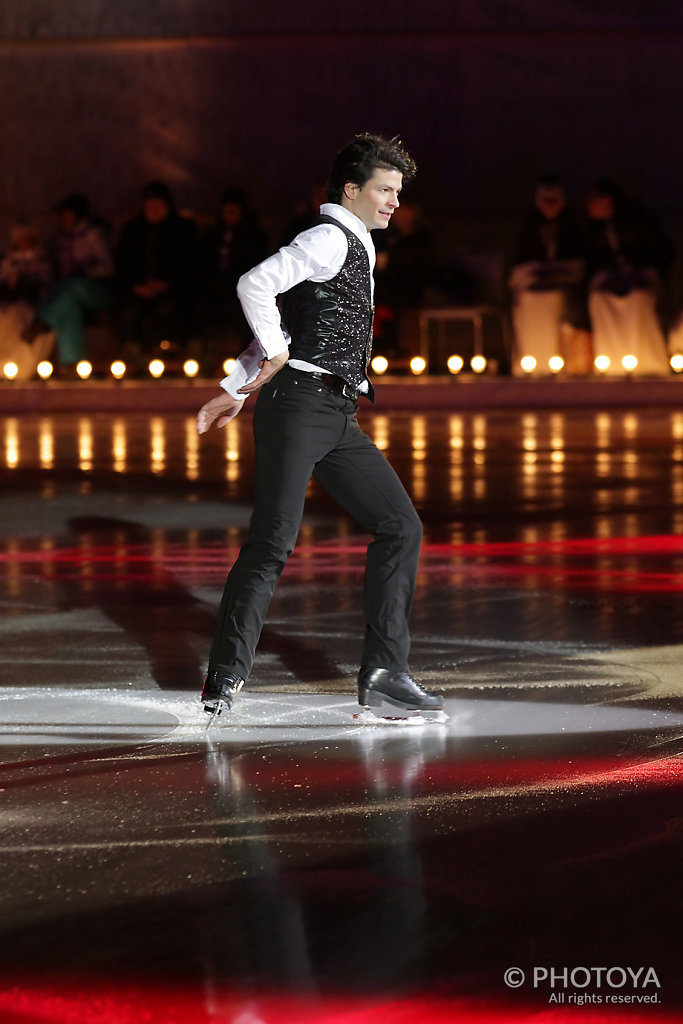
[(220, 690), (382, 686)]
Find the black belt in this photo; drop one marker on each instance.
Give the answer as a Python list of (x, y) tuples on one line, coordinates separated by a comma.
[(334, 384)]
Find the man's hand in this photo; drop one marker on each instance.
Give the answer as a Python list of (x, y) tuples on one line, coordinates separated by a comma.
[(269, 367), (218, 411)]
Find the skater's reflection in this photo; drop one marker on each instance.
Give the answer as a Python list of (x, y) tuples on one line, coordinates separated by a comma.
[(258, 938), (384, 946), (352, 915)]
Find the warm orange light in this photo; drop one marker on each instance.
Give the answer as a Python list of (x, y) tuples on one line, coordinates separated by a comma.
[(418, 365), (228, 366), (156, 368), (602, 363), (528, 364), (44, 369), (10, 370), (556, 363), (84, 369), (478, 364), (118, 369), (455, 364), (629, 363), (190, 367), (380, 364), (677, 363)]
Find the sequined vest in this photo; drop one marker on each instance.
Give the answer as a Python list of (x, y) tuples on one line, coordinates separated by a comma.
[(330, 322)]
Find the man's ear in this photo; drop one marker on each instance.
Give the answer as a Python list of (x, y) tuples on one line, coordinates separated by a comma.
[(351, 189)]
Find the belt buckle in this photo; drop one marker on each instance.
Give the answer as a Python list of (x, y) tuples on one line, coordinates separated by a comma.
[(349, 392)]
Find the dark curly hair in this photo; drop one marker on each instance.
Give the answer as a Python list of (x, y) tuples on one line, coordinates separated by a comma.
[(362, 156)]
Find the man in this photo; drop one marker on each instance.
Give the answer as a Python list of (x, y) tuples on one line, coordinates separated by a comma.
[(305, 424)]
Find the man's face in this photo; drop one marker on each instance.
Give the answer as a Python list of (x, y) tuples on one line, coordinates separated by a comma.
[(375, 201), (599, 207), (231, 214), (550, 200), (154, 210)]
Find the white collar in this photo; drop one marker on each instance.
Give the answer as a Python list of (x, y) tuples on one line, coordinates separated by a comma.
[(347, 218)]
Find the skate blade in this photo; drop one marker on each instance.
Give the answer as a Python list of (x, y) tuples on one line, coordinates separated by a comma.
[(412, 718), (220, 706)]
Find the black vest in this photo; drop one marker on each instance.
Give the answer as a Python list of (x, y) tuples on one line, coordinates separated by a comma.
[(330, 322)]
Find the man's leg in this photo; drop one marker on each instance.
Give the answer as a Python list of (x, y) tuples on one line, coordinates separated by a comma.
[(293, 428), (65, 310), (360, 478), (62, 312)]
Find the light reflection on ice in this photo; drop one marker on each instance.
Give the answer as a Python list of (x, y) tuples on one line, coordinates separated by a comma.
[(66, 717)]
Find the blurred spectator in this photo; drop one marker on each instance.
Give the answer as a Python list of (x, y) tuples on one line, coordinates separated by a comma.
[(235, 244), (156, 273), (306, 214), (83, 265), (25, 273), (406, 267), (547, 269), (628, 258), (25, 270)]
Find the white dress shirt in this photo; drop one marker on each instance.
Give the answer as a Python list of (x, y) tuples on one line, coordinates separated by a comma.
[(317, 254)]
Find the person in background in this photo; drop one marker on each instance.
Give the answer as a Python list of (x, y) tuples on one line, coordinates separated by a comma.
[(232, 246), (406, 268), (628, 259), (156, 266), (306, 213), (84, 266), (25, 275), (547, 270), (25, 270)]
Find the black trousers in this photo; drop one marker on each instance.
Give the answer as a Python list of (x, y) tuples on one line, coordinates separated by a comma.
[(300, 430)]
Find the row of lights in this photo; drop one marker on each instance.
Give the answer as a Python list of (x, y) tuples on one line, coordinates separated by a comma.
[(528, 364), (418, 365), (157, 367), (379, 364), (118, 369), (601, 363)]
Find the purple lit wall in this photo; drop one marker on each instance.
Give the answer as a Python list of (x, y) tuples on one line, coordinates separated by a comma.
[(101, 96)]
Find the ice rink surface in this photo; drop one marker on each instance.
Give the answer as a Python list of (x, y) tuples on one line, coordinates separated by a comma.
[(292, 864)]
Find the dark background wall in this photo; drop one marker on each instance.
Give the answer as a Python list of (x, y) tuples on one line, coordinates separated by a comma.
[(101, 95)]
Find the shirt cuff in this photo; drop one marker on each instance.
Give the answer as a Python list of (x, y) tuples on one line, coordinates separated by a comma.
[(246, 370)]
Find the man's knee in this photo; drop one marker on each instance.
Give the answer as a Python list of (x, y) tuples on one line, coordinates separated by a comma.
[(273, 541), (413, 529), (405, 528)]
